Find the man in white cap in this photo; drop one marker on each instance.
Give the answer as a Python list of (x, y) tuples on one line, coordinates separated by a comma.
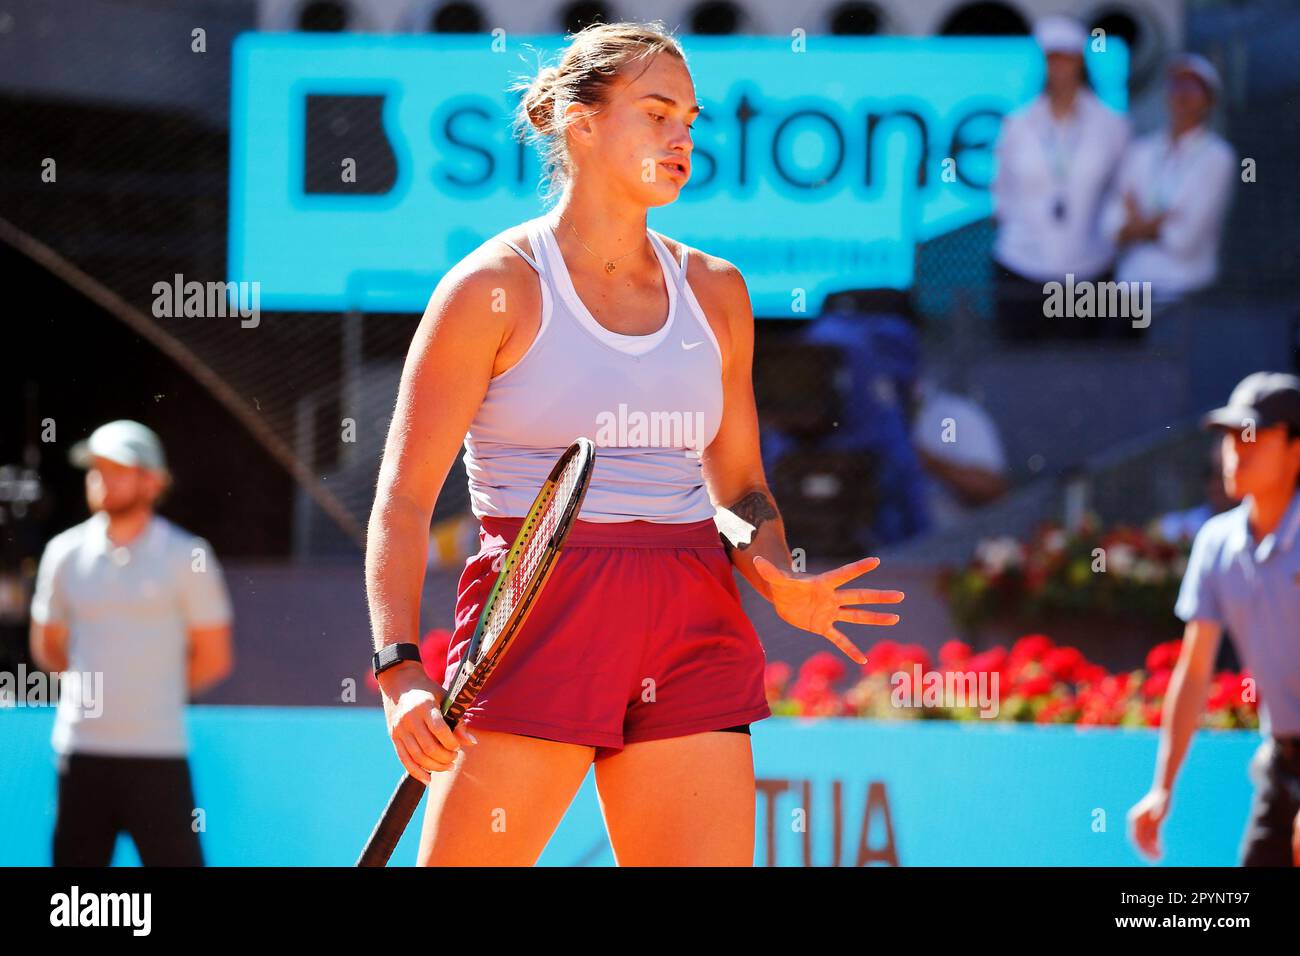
[(1173, 191), (134, 612), (1056, 159)]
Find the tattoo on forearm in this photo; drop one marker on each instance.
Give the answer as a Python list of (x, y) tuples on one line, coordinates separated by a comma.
[(754, 508)]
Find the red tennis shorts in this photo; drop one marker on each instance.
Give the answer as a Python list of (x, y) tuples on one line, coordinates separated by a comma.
[(638, 635)]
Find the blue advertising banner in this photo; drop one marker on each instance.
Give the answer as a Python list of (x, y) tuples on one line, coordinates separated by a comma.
[(304, 786), (363, 167)]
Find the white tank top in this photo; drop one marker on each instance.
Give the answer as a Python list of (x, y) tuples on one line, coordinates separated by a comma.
[(650, 403)]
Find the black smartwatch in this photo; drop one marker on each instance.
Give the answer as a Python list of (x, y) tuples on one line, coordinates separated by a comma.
[(391, 654)]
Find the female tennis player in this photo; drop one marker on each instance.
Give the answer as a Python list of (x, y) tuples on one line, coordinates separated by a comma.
[(637, 655)]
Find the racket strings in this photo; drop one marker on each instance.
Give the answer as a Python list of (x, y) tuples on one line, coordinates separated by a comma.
[(535, 548)]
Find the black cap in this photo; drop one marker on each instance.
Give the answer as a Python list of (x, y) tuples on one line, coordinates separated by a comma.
[(1265, 398)]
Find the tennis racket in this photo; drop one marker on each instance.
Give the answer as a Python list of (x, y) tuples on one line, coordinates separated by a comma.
[(524, 571)]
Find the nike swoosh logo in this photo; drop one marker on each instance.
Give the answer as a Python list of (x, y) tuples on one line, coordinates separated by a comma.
[(691, 345)]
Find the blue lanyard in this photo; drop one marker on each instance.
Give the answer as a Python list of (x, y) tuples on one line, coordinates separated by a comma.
[(1058, 146)]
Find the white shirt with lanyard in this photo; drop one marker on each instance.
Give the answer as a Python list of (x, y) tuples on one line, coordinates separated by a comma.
[(1051, 183)]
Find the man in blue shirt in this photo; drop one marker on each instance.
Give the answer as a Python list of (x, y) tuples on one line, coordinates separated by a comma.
[(1244, 575)]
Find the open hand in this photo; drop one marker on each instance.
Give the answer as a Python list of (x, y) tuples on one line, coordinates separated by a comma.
[(811, 601)]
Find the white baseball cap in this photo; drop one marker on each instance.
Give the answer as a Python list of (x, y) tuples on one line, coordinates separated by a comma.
[(1060, 35), (123, 441), (1199, 67)]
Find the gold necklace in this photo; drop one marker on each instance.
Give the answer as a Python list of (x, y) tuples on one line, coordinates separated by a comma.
[(609, 263)]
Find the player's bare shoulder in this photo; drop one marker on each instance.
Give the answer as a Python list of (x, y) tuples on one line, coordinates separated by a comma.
[(492, 294), (498, 273)]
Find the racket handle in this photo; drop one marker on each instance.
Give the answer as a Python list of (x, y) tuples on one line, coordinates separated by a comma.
[(388, 831)]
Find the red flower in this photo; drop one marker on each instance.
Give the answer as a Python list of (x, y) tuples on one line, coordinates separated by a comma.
[(816, 697), (1064, 663), (776, 676), (913, 654), (1031, 647), (1113, 686), (1053, 709), (1156, 685), (1098, 709), (1163, 656), (994, 659), (1089, 674), (1022, 668), (1225, 692), (1219, 698), (882, 658), (1250, 705), (954, 654), (823, 666), (1034, 686)]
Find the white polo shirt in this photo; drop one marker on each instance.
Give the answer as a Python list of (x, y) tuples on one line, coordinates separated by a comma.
[(128, 610), (1053, 177), (1189, 180)]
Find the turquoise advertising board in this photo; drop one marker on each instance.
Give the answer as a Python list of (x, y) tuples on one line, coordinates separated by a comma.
[(816, 167), (304, 786)]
